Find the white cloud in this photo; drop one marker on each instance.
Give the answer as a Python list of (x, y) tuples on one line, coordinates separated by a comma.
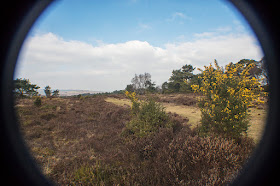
[(204, 34), (216, 32), (178, 15), (143, 27), (50, 60)]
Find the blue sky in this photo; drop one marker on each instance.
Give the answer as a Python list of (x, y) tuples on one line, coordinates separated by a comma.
[(74, 41), (155, 21)]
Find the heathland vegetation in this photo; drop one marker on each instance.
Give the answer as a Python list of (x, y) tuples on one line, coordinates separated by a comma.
[(196, 129)]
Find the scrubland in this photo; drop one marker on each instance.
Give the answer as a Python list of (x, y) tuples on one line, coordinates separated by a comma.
[(80, 141)]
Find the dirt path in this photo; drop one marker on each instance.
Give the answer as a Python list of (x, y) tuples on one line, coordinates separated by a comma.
[(257, 121)]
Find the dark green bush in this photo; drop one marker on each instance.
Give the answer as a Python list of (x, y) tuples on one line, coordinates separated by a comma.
[(38, 101), (149, 118)]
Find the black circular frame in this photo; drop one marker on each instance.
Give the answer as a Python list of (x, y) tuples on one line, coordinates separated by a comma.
[(17, 165)]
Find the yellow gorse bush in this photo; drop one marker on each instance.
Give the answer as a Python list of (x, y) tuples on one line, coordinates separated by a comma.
[(227, 95), (131, 96)]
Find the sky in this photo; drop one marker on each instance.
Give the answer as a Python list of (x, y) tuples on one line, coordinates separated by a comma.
[(100, 45)]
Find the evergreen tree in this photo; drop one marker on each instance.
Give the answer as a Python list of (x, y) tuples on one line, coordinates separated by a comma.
[(23, 88), (48, 91)]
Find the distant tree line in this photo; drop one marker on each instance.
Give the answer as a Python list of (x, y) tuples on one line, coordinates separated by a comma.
[(180, 81), (143, 83)]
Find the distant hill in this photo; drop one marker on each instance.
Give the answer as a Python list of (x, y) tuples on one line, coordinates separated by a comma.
[(71, 92)]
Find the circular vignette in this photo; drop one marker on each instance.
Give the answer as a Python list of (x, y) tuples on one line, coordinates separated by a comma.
[(17, 165), (263, 167)]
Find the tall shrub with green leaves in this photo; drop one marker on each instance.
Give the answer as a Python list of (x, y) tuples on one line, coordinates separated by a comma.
[(47, 91), (55, 93), (227, 95), (147, 116)]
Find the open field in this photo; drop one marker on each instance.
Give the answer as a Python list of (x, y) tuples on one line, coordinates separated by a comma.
[(79, 141)]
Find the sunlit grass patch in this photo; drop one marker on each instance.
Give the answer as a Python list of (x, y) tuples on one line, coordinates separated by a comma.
[(191, 112), (257, 123), (120, 102)]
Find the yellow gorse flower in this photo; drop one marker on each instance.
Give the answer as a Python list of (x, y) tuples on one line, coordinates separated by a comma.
[(131, 96)]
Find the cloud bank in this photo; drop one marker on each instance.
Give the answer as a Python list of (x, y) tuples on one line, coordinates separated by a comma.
[(48, 59)]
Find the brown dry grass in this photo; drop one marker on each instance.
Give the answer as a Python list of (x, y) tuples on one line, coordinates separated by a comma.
[(64, 134)]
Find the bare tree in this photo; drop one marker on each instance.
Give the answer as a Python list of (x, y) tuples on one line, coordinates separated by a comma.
[(147, 79), (135, 82), (142, 82)]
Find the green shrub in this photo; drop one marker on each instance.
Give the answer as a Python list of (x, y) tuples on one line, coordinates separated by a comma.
[(82, 98), (38, 101), (85, 175), (97, 175), (47, 116), (148, 117), (49, 107), (27, 122)]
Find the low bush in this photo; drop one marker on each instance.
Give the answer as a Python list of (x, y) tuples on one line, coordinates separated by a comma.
[(37, 101), (203, 160), (47, 116), (147, 117), (27, 122), (46, 107), (167, 158), (97, 174)]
